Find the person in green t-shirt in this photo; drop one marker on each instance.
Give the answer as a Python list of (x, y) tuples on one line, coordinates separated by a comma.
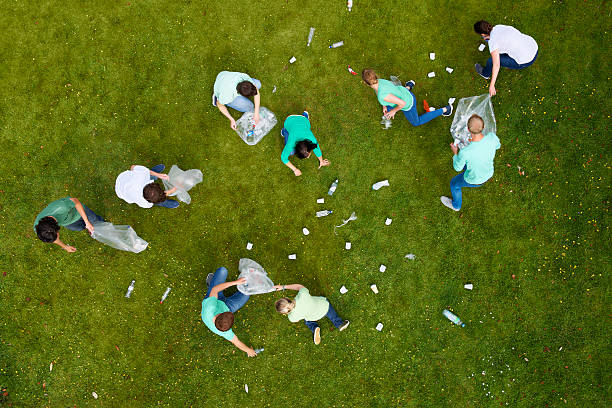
[(475, 161), (300, 140), (233, 89), (66, 212), (309, 308), (394, 98)]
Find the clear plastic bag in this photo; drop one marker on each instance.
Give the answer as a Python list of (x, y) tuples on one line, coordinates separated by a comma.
[(183, 180), (480, 105), (256, 276), (252, 135), (121, 237), (395, 80)]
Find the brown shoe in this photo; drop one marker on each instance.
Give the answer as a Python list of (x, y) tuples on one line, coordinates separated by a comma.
[(317, 336)]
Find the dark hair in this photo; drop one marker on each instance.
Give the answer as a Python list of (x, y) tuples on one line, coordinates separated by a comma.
[(483, 27), (303, 147), (153, 193), (369, 76), (47, 229), (224, 321), (246, 88)]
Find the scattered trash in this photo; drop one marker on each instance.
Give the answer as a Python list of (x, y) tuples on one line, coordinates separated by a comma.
[(274, 89), (249, 246), (468, 286), (122, 237), (347, 245), (353, 217), (292, 256), (378, 185), (165, 295), (388, 221), (130, 289), (432, 56), (259, 350), (481, 47), (431, 74), (257, 280), (337, 44), (323, 213), (382, 268), (250, 134), (310, 35), (333, 187), (425, 105), (379, 326), (449, 70), (343, 289), (410, 256), (351, 70), (93, 394), (374, 288), (51, 367), (349, 4), (305, 231), (320, 200), (246, 388), (292, 60), (452, 317), (385, 121)]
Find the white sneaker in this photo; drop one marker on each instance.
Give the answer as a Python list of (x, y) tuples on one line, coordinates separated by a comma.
[(448, 203), (317, 336), (344, 325), (214, 100)]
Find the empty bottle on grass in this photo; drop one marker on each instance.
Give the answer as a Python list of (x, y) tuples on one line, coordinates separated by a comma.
[(323, 213), (165, 295), (453, 317), (337, 44), (349, 5), (310, 35), (333, 187), (259, 350), (130, 289)]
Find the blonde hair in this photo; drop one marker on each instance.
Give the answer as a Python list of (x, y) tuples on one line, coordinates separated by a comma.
[(475, 124), (284, 305), (369, 76)]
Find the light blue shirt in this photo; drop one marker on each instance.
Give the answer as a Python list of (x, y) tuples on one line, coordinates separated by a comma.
[(478, 157), (211, 306)]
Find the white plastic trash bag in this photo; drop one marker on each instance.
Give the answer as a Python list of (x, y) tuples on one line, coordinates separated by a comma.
[(480, 105), (257, 278), (253, 134), (183, 180), (121, 237)]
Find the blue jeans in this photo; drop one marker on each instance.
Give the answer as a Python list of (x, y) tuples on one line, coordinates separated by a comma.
[(414, 118), (506, 61), (168, 203), (234, 302), (80, 224), (456, 184), (242, 103), (331, 315)]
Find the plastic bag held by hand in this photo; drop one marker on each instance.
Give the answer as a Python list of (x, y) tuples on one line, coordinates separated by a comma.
[(183, 180), (121, 237), (253, 134), (257, 280), (480, 105)]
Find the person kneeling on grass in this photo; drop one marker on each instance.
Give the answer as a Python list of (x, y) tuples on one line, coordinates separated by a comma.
[(300, 140), (218, 310), (66, 212), (475, 161), (233, 89), (310, 308), (137, 185)]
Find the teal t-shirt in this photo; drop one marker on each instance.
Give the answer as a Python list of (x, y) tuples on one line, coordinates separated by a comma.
[(478, 157), (63, 210), (298, 127), (225, 85), (211, 306), (387, 87), (311, 308)]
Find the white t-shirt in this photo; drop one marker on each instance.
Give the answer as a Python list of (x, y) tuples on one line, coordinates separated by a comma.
[(508, 40), (130, 183)]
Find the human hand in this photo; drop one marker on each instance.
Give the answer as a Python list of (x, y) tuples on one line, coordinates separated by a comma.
[(454, 148), (241, 281), (251, 353), (390, 114), (256, 118), (277, 287), (69, 248), (297, 172), (323, 162), (233, 124), (492, 90), (164, 177), (89, 227)]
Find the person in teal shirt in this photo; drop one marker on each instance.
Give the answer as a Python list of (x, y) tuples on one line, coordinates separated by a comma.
[(233, 89), (300, 140), (218, 310), (475, 161), (308, 308), (394, 98)]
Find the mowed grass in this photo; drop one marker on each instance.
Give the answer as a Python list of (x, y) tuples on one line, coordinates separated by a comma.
[(89, 88)]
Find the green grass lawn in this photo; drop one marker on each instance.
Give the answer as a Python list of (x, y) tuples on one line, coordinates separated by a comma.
[(89, 88)]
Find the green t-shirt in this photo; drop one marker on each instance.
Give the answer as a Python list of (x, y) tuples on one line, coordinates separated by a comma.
[(387, 87), (225, 85), (298, 127), (478, 156), (311, 308), (63, 210), (211, 306)]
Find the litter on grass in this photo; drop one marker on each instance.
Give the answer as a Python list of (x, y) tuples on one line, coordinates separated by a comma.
[(274, 89), (481, 47), (310, 35), (432, 56), (249, 246), (388, 221), (93, 394), (449, 70), (320, 200), (374, 288), (378, 185), (382, 268), (51, 367), (292, 60), (353, 217), (431, 74), (410, 256), (351, 70), (165, 295), (292, 256), (379, 326), (347, 245), (305, 231), (246, 388), (468, 286), (343, 289), (385, 121)]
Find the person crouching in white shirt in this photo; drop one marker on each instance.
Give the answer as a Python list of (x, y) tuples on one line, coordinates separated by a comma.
[(137, 185)]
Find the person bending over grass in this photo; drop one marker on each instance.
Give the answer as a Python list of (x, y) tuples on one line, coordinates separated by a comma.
[(509, 48), (394, 98), (218, 310), (300, 141), (475, 161), (233, 89), (66, 212), (137, 185), (310, 308)]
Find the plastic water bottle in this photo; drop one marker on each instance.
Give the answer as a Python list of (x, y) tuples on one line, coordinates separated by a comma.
[(323, 213), (310, 35), (386, 122), (130, 289), (251, 133), (453, 317), (333, 187), (380, 184), (349, 4), (165, 295), (337, 44)]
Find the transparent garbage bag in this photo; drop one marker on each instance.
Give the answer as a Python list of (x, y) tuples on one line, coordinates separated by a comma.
[(183, 180), (256, 276), (121, 237), (252, 135), (480, 105)]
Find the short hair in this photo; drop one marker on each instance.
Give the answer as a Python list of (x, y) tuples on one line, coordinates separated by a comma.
[(303, 147), (369, 76), (47, 229), (284, 305), (153, 193), (224, 321), (483, 27), (475, 124), (246, 88)]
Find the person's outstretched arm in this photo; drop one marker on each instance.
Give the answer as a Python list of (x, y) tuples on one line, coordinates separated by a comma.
[(294, 169), (236, 342), (256, 99), (226, 113), (294, 286), (496, 65), (65, 247), (81, 211), (214, 292)]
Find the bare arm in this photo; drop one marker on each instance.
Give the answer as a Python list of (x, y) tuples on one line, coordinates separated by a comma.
[(65, 247), (81, 211), (236, 342), (214, 292), (295, 286), (172, 190), (295, 170), (226, 113), (256, 98), (392, 99), (495, 71)]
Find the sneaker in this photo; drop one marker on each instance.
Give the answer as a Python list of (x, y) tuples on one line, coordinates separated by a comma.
[(209, 278), (448, 110), (479, 69), (305, 114), (410, 84), (317, 336), (344, 325), (448, 203), (214, 100), (284, 133)]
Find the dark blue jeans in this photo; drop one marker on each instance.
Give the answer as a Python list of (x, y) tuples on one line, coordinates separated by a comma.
[(234, 302), (331, 315), (456, 184), (168, 203), (506, 61), (414, 118), (80, 224)]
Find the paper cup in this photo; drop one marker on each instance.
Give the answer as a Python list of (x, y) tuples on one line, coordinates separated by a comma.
[(347, 245), (374, 288), (388, 221), (382, 268), (249, 246), (379, 326)]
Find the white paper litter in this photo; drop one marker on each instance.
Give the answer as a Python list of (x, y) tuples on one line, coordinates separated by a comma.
[(343, 289), (305, 231), (246, 388), (292, 256), (249, 246), (379, 326), (388, 221), (292, 60), (93, 394), (481, 47), (468, 286), (274, 90), (431, 74), (374, 288), (347, 245), (320, 200), (410, 256), (382, 268), (353, 217), (51, 367), (449, 70), (432, 56), (378, 185)]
